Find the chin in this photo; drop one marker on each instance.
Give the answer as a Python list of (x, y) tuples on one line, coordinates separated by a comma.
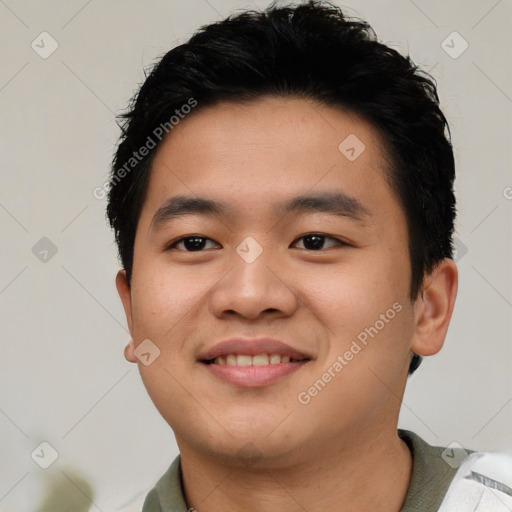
[(255, 446)]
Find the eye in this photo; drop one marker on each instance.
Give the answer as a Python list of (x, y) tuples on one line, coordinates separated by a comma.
[(196, 243), (191, 243), (315, 241)]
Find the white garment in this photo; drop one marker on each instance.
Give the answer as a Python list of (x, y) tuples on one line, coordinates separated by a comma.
[(483, 483)]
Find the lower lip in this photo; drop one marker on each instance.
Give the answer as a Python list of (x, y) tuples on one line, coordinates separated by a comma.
[(253, 376)]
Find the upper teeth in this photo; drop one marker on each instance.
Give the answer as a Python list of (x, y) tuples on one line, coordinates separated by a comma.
[(246, 360)]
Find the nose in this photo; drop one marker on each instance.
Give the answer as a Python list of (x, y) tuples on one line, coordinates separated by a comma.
[(252, 290)]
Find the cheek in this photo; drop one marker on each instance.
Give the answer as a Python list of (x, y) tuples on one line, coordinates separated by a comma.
[(161, 299), (353, 296), (366, 314)]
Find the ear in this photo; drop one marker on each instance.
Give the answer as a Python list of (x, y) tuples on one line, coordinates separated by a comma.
[(124, 291), (129, 354), (434, 307)]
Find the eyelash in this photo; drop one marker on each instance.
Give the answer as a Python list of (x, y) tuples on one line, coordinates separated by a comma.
[(340, 243)]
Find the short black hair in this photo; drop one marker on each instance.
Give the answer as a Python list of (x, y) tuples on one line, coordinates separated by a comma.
[(311, 51)]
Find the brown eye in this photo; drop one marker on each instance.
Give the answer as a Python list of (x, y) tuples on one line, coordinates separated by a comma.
[(193, 243), (316, 241)]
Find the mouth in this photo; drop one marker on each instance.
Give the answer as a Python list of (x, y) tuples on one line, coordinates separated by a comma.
[(252, 362), (253, 375), (244, 360), (258, 368)]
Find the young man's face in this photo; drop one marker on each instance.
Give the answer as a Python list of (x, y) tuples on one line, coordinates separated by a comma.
[(345, 302)]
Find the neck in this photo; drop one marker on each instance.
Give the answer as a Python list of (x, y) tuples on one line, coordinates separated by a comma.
[(365, 473)]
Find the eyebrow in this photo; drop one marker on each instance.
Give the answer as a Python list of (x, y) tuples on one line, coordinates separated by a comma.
[(336, 203)]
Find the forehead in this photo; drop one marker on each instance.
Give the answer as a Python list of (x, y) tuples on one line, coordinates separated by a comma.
[(251, 155)]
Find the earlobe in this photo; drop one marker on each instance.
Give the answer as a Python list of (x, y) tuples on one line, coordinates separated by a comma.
[(434, 308), (124, 291), (129, 352)]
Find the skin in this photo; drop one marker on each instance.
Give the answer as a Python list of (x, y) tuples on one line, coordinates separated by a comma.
[(260, 448)]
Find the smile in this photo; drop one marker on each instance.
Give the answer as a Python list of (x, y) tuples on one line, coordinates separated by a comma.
[(248, 360), (246, 371)]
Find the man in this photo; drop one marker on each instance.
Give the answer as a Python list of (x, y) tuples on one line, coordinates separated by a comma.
[(282, 199)]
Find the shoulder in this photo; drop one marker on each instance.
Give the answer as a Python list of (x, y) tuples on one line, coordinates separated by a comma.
[(142, 502), (166, 495), (454, 479), (483, 483), (434, 468)]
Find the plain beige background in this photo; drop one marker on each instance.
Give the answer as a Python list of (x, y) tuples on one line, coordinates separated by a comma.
[(63, 377)]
